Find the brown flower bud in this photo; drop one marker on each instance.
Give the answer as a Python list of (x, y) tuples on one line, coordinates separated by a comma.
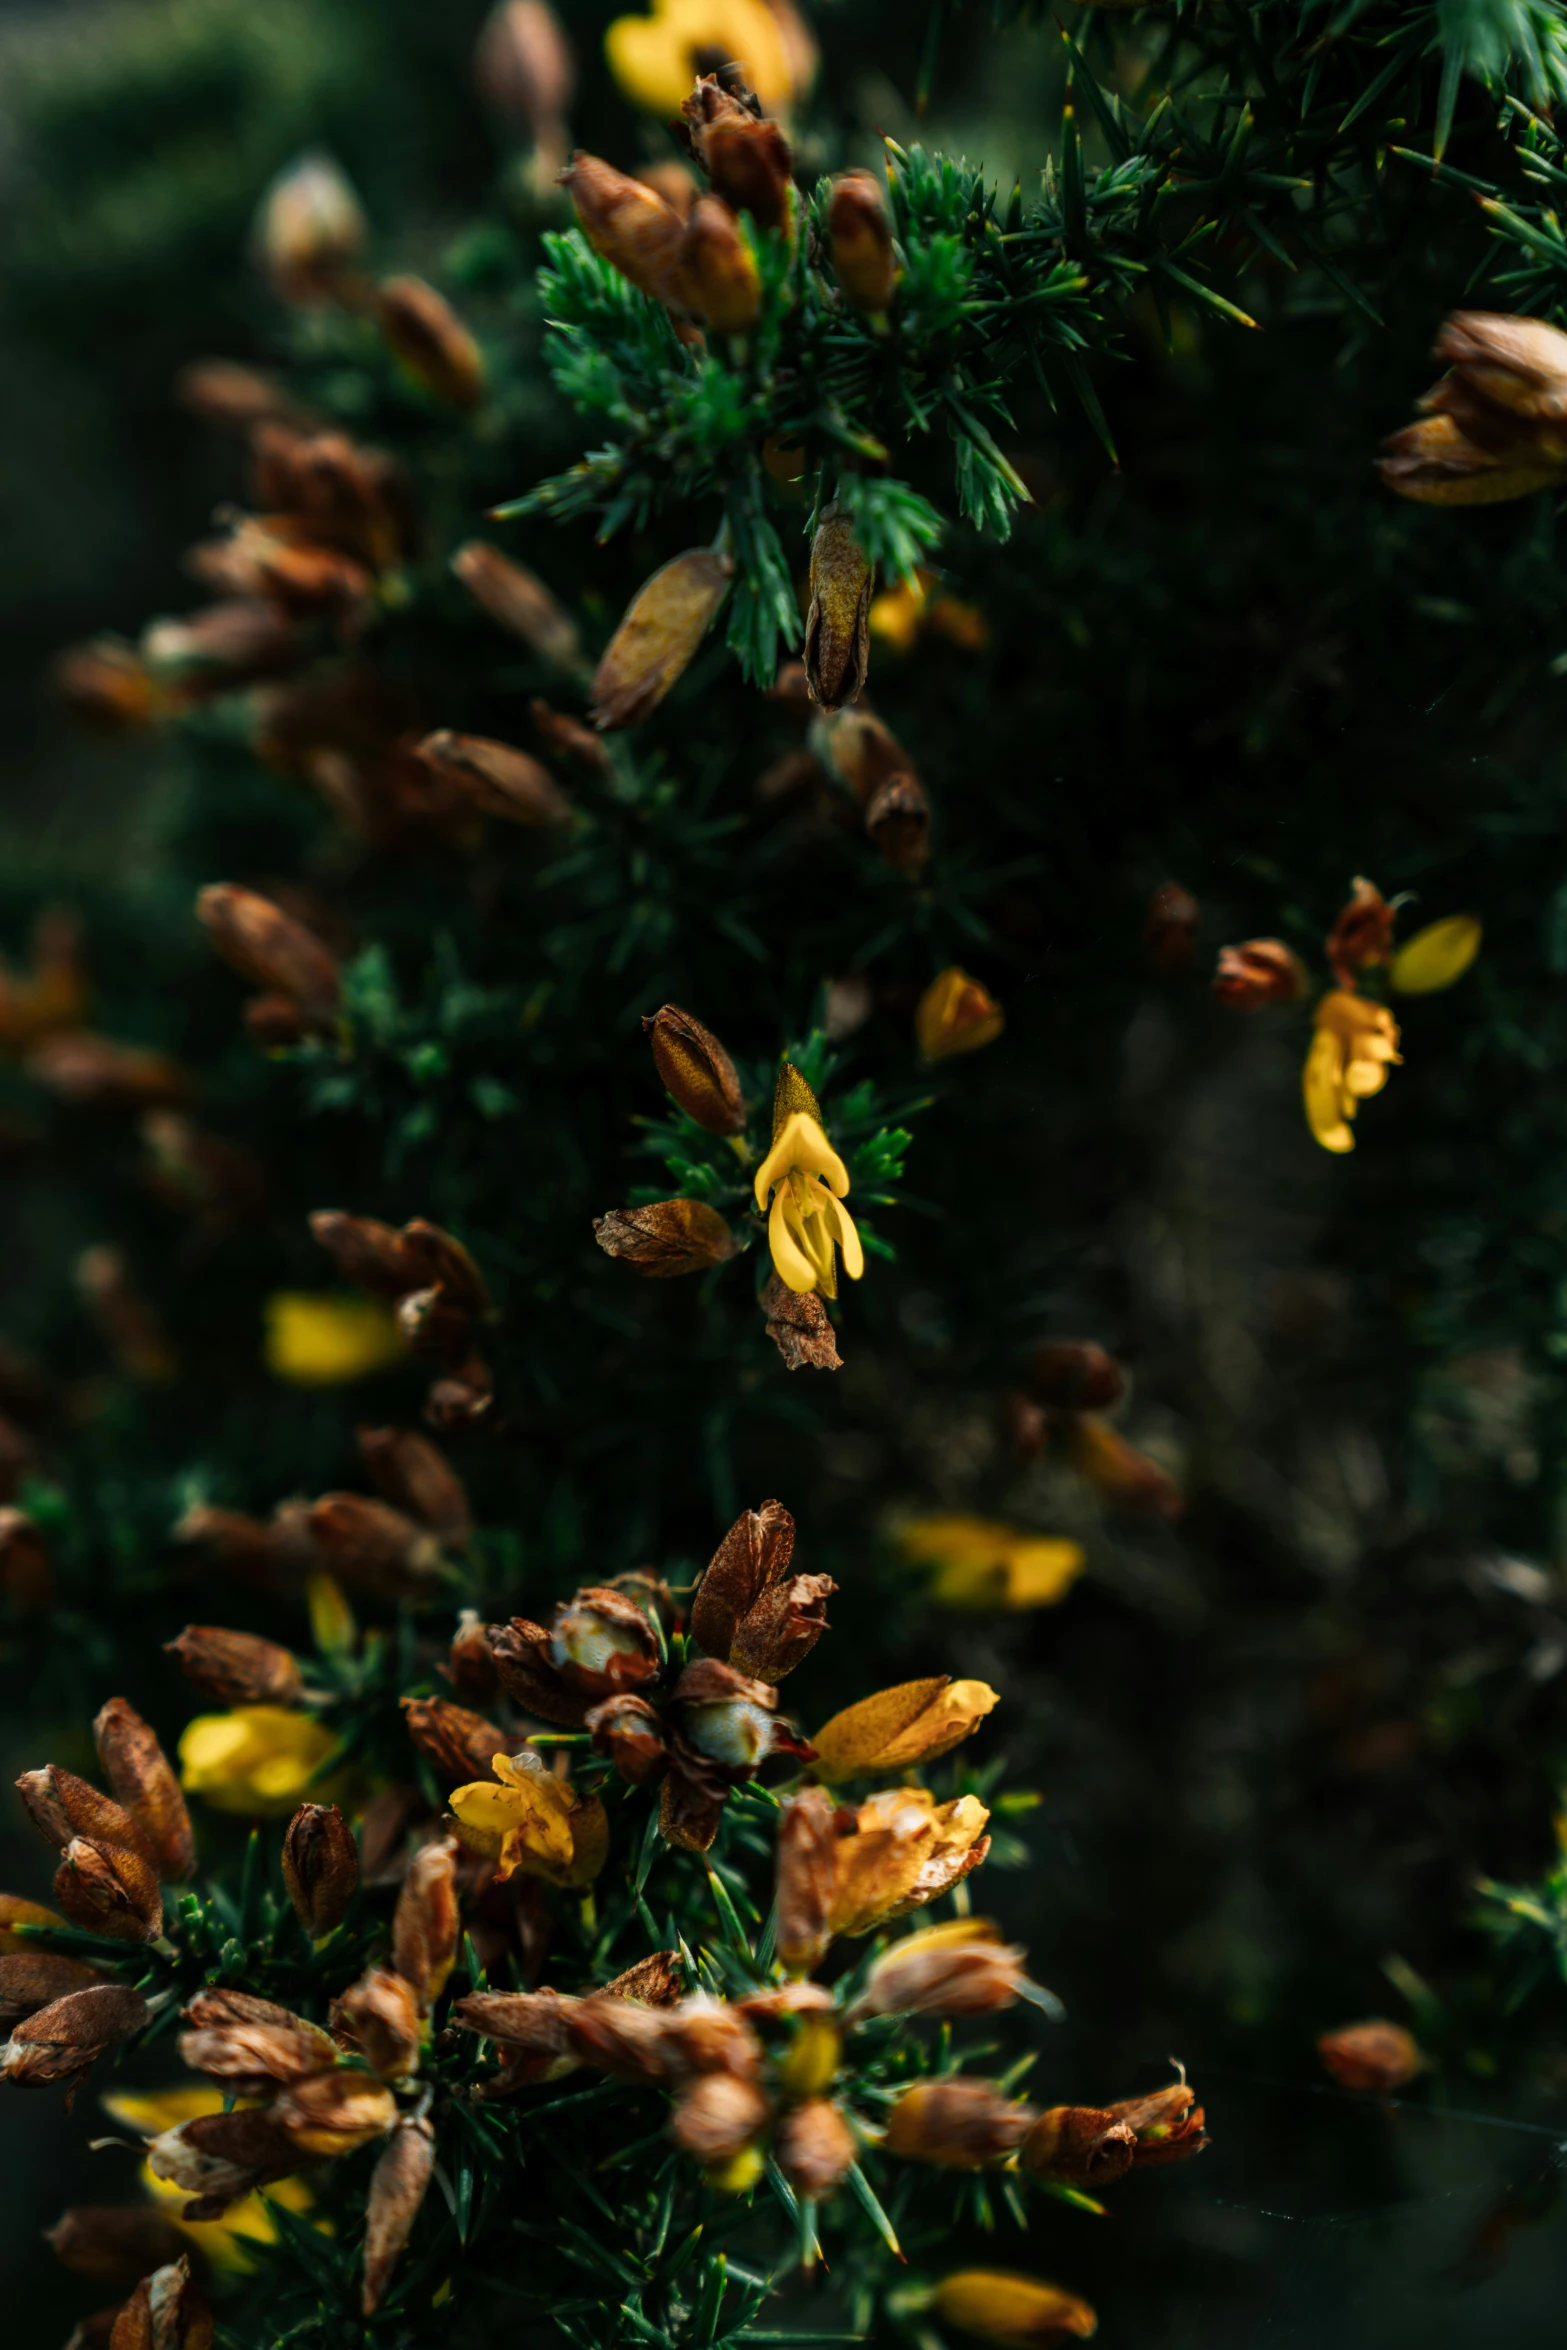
[(537, 2022), (807, 1857), (62, 2039), (114, 2243), (569, 738), (424, 333), (674, 183), (218, 2157), (271, 948), (96, 1073), (109, 1889), (747, 161), (520, 601), (781, 1629), (1072, 1375), (666, 1238), (460, 1744), (1363, 933), (417, 1477), (1126, 1478), (328, 2114), (696, 1070), (754, 1556), (372, 1255), (441, 1261), (237, 1668), (523, 66), (527, 1672), (372, 1547), (631, 1733), (222, 392), (958, 2123), (659, 633), (310, 230), (1170, 932), (60, 1806), (425, 1924), (30, 1979), (897, 823), (622, 2037), (1259, 971), (718, 2116), (265, 1556), (108, 687), (382, 2015), (1168, 2125), (631, 226), (691, 1800), (1376, 2055), (320, 1867), (1079, 2145), (602, 1643), (250, 2043), (956, 1014), (815, 2148), (837, 624), (25, 1574), (862, 752), (718, 275), (798, 1326), (499, 781), (164, 2313), (398, 2186), (139, 1772), (959, 1968), (860, 236)]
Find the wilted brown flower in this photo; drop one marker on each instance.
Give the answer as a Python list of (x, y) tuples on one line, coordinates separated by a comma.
[(632, 226), (1080, 2145), (222, 392), (746, 159), (696, 1070), (719, 278), (425, 1924), (310, 231), (99, 1073), (1258, 971), (139, 1772), (527, 1672), (1363, 933), (114, 2243), (957, 2123), (667, 1238), (237, 1668), (381, 2013), (61, 2040), (398, 2186), (251, 2044), (659, 633), (30, 1979), (837, 624), (218, 2157), (425, 334), (265, 945), (374, 1256), (165, 2312), (844, 1873), (500, 781), (320, 1867), (1167, 2125), (1496, 424), (604, 1642), (798, 1326), (1375, 2055), (520, 601), (860, 238), (457, 1742), (109, 1889), (956, 1014), (372, 1547), (748, 1609), (330, 2113), (718, 2115), (631, 1732), (815, 2147), (961, 1967)]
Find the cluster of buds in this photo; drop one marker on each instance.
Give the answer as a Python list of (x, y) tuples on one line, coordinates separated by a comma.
[(1069, 1387), (436, 1292), (604, 1666), (1496, 425)]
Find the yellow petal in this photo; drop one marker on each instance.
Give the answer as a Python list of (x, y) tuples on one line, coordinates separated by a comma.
[(1322, 1088), (256, 1758), (655, 58), (848, 1237), (790, 1260), (325, 1341), (801, 1142), (1436, 956)]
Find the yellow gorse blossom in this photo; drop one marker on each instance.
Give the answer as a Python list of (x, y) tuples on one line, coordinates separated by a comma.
[(326, 1341), (805, 1181), (1354, 1046), (898, 1728), (656, 58), (258, 1758), (983, 1562), (1436, 956), (528, 1821), (247, 2227)]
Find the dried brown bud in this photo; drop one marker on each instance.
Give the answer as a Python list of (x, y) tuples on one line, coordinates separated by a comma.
[(114, 2243), (696, 1070), (631, 226), (807, 1857), (97, 1073), (266, 1556), (25, 1574), (139, 1772), (60, 1806), (164, 2313), (329, 2114), (460, 1744), (718, 276), (520, 601), (1376, 2055), (1168, 2125), (536, 2022), (265, 945), (425, 1924), (1259, 971), (569, 738), (658, 636), (602, 1642), (1073, 1375), (218, 2157), (398, 2186), (320, 1867), (631, 1733), (1170, 932), (897, 823), (718, 2116), (860, 236), (783, 1627), (1494, 424), (499, 781), (622, 2037), (418, 1478), (815, 2148), (250, 2044), (523, 67), (424, 332), (958, 2123), (1362, 935), (382, 2014), (310, 230), (666, 1238), (1126, 1478), (221, 392), (237, 1668), (837, 624), (30, 1979), (754, 1555), (108, 687), (1079, 2145), (527, 1672), (372, 1255), (798, 1326), (372, 1547), (959, 1968), (442, 1261), (109, 1889), (62, 2039), (747, 160)]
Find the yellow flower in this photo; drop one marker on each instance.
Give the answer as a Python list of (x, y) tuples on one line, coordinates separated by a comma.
[(1011, 2309), (324, 1341), (956, 1014), (982, 1562), (805, 1179), (526, 1819), (902, 613), (1436, 956), (657, 58), (1355, 1044), (907, 1849), (227, 2242), (259, 1758), (897, 1728)]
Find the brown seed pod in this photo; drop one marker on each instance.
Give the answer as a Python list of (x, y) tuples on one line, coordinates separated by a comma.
[(278, 953), (237, 1668), (320, 1867), (415, 1476), (1376, 2055), (632, 226), (837, 624), (519, 601), (718, 276), (61, 2040), (658, 637), (1080, 2145), (139, 1772), (498, 780), (424, 332), (31, 1979), (251, 2044), (897, 823), (958, 2124), (398, 2186), (696, 1070), (460, 1744), (109, 1889), (60, 1806), (425, 1925), (859, 236), (164, 2313)]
